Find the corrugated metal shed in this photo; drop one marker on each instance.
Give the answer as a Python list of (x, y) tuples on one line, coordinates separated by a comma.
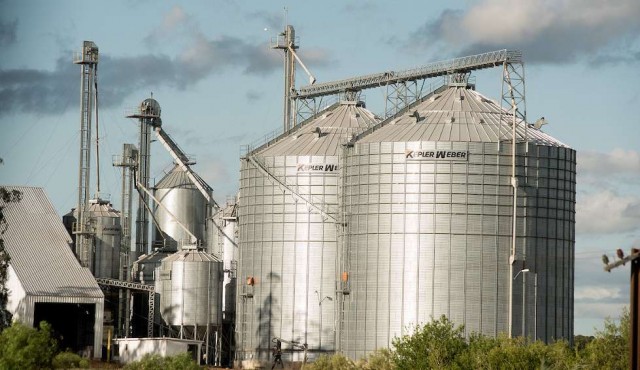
[(38, 245), (458, 114), (43, 269)]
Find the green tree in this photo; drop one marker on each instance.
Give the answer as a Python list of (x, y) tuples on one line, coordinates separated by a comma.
[(6, 197), (23, 347), (609, 349), (435, 345)]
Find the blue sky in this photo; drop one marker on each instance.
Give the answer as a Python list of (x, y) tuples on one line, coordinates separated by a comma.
[(209, 65)]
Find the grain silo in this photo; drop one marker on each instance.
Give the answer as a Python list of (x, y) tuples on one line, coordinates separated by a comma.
[(105, 223), (428, 205), (190, 297), (287, 214), (183, 207)]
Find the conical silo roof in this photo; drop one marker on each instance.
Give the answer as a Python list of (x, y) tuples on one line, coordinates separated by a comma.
[(190, 255), (178, 178), (101, 208), (324, 134), (458, 114)]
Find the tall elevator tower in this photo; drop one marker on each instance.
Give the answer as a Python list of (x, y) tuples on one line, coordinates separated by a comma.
[(148, 114), (88, 60), (287, 43)]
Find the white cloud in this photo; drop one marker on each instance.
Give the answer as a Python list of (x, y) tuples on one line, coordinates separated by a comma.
[(556, 31), (174, 21), (606, 212), (598, 310), (618, 161), (595, 293)]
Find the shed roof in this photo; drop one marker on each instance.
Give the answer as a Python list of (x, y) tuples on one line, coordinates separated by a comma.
[(38, 245), (458, 114)]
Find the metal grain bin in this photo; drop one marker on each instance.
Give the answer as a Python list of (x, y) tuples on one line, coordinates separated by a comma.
[(190, 283), (287, 214), (428, 207), (222, 232), (105, 222), (182, 199)]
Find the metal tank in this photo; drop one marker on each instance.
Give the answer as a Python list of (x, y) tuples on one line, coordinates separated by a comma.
[(222, 241), (105, 223), (182, 203), (287, 214), (190, 298), (69, 220), (191, 288), (428, 207), (145, 270)]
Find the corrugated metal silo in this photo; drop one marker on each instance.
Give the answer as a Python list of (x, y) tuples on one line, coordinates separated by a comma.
[(222, 236), (428, 206), (145, 271), (287, 214), (191, 291), (105, 222), (181, 198)]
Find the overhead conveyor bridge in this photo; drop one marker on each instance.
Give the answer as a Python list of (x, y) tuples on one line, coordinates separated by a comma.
[(150, 289), (435, 69)]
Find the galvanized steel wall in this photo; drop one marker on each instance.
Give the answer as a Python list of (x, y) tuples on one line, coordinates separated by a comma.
[(191, 291), (426, 238), (187, 204), (288, 251), (107, 245)]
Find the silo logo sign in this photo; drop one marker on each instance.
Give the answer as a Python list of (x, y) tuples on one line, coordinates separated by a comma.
[(318, 168), (436, 155)]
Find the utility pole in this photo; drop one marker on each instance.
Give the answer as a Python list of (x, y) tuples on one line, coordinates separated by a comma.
[(634, 259)]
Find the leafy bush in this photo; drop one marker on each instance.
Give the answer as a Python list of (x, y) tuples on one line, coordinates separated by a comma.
[(153, 362), (23, 347), (609, 349), (435, 345), (69, 360), (334, 362), (441, 345), (380, 359)]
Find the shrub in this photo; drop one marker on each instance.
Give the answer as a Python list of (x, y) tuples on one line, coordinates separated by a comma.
[(68, 360), (435, 345), (334, 362), (380, 359), (23, 347), (152, 362)]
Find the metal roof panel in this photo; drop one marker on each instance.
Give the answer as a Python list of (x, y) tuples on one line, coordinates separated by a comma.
[(39, 247), (458, 114)]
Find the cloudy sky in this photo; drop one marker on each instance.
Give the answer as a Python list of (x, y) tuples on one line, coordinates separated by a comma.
[(209, 65)]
